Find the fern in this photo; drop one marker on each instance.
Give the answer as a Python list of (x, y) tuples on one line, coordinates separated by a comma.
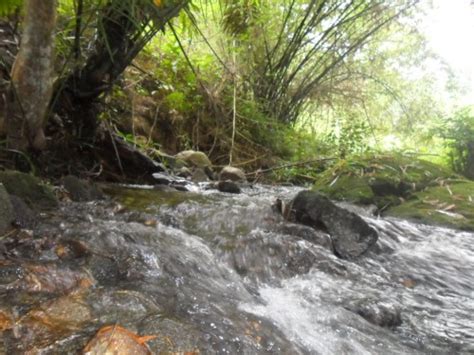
[(9, 6)]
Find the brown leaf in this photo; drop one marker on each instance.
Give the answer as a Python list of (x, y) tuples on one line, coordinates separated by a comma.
[(114, 339), (6, 320)]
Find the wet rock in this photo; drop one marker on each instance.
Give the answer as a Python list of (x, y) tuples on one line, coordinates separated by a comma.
[(179, 187), (232, 173), (199, 175), (81, 190), (184, 172), (29, 189), (117, 340), (112, 306), (351, 236), (164, 188), (71, 249), (10, 272), (6, 211), (166, 180), (46, 278), (307, 233), (228, 186), (51, 321), (269, 257), (378, 313), (194, 158), (6, 320), (173, 337), (163, 179), (25, 217)]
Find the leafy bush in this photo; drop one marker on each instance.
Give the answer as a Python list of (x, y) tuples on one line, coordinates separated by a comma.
[(458, 132)]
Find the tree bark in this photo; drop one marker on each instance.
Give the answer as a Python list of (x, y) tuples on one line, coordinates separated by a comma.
[(31, 77)]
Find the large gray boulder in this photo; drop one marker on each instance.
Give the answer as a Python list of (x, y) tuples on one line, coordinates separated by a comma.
[(6, 211), (351, 236)]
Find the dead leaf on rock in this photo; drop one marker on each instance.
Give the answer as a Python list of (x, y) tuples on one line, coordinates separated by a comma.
[(117, 340), (6, 320)]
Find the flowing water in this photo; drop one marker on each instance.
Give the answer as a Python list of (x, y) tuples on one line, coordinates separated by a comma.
[(226, 274)]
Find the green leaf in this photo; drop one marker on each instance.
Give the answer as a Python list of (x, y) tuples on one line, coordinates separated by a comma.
[(9, 6)]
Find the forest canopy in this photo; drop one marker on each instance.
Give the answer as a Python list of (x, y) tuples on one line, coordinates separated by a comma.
[(249, 82)]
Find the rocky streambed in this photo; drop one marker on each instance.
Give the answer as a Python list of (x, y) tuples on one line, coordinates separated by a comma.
[(213, 272)]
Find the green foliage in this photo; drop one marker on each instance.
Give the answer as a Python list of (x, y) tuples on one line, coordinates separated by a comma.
[(9, 6), (349, 136), (458, 132), (380, 179), (239, 15)]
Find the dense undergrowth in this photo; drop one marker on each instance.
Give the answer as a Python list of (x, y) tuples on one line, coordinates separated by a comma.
[(222, 78)]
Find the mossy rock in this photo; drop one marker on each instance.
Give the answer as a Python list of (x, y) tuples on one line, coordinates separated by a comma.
[(449, 205), (194, 158), (29, 188), (380, 179)]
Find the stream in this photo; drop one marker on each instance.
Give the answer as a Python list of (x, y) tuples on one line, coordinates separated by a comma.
[(210, 272)]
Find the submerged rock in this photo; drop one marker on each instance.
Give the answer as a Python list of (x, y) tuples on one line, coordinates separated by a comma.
[(115, 339), (351, 236), (232, 173), (185, 339), (41, 278), (307, 233), (6, 211), (53, 320), (29, 188), (378, 313)]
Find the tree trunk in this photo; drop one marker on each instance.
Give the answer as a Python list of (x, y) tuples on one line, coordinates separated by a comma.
[(31, 77)]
